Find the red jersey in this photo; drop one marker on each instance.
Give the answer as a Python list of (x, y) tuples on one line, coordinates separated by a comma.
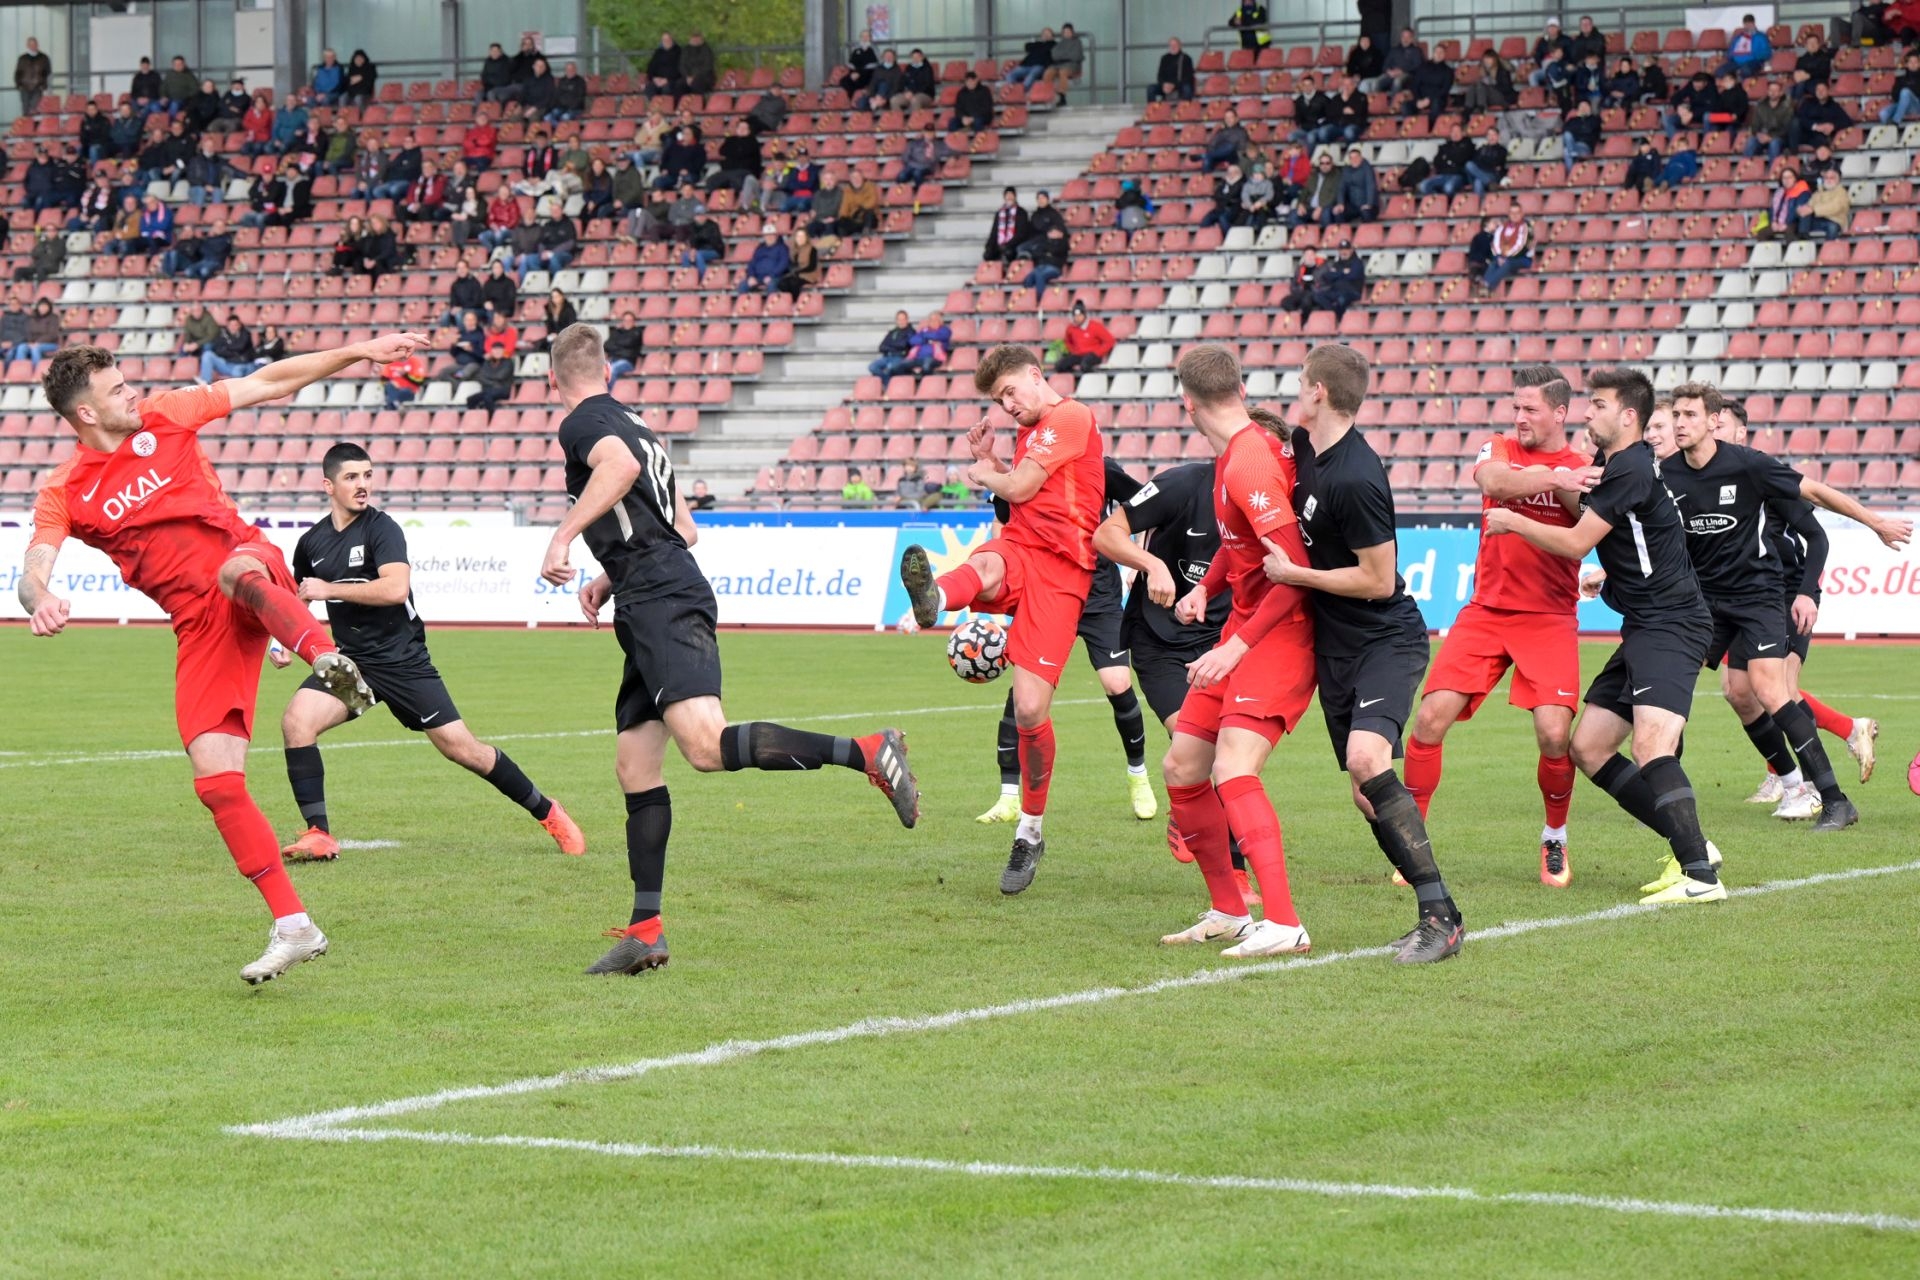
[(1253, 499), (1061, 518), (1512, 573), (154, 504)]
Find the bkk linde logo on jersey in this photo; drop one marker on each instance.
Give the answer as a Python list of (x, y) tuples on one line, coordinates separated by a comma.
[(1710, 523)]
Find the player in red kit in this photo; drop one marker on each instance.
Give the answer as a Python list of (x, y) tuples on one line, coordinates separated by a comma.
[(1522, 614), (1255, 684), (139, 487), (1041, 566)]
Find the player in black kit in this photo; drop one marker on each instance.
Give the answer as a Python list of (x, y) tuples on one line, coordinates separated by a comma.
[(1370, 641), (628, 507), (1728, 496), (1100, 634), (1646, 688), (355, 560)]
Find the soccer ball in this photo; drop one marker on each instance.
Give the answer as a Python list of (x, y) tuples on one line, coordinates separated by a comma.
[(977, 650)]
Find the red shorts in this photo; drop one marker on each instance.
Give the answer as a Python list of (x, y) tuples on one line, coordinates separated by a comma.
[(220, 649), (1046, 595), (1542, 648), (1268, 692)]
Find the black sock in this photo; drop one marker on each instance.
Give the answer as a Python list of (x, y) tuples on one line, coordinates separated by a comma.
[(1402, 834), (760, 744), (649, 823), (1233, 851), (1132, 727), (1007, 746), (1771, 742), (517, 786), (1803, 737), (308, 777), (1673, 800), (1619, 779)]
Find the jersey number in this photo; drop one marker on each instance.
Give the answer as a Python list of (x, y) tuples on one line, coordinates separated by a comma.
[(659, 477)]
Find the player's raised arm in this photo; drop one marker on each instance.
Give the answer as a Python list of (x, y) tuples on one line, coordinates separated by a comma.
[(1892, 530), (46, 612), (1572, 543), (615, 469), (283, 378)]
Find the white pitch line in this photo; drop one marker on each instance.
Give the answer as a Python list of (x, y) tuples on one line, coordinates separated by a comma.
[(314, 1125), (123, 757), (1150, 1177)]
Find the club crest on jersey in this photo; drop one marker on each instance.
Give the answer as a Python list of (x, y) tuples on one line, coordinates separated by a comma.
[(1043, 440), (1313, 504), (357, 558), (144, 444), (131, 498), (1729, 494)]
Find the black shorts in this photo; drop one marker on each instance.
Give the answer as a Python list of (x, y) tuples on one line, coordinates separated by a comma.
[(1163, 676), (1656, 665), (412, 690), (1797, 644), (1372, 691), (1100, 629), (671, 654), (1745, 630)]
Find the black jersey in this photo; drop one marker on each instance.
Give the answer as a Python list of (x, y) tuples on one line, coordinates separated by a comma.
[(1801, 544), (1644, 554), (1723, 507), (383, 632), (1175, 511), (636, 541), (1345, 505)]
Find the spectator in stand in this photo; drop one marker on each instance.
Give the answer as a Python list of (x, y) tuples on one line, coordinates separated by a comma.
[(597, 197), (663, 69), (741, 158), (1258, 197), (650, 136), (859, 206), (234, 105), (1049, 263), (501, 339), (273, 345), (895, 343), (207, 174), (932, 342), (770, 262), (13, 332), (1906, 92), (797, 187), (404, 378), (501, 293), (1818, 119), (1009, 229), (466, 349), (915, 491), (559, 241), (706, 245), (1132, 208), (198, 331), (1787, 206), (1227, 211), (1512, 249), (202, 110), (1588, 81), (127, 128), (524, 62), (917, 84), (826, 206), (177, 85), (1814, 65), (1359, 196), (32, 72), (1397, 66), (230, 355), (1300, 288), (43, 335), (1044, 220), (1480, 249), (496, 75), (1427, 91), (1493, 91), (557, 314), (97, 204), (1088, 342), (539, 93), (923, 157), (466, 211), (96, 133), (329, 79), (257, 126), (380, 251), (884, 83), (156, 226), (1581, 137), (701, 499), (1551, 44), (1653, 79), (1731, 108), (1366, 60), (1250, 20), (1227, 142), (1623, 86), (1822, 159), (402, 169), (464, 294), (1069, 57), (1310, 108), (1643, 171), (1691, 106), (480, 142), (684, 213), (1555, 76), (279, 199), (972, 107), (1488, 168), (1319, 195), (1588, 39), (623, 347), (1036, 62), (495, 381), (426, 199), (1347, 114), (807, 268), (856, 489), (1748, 49), (683, 161), (363, 79), (310, 145), (1829, 210), (503, 215), (569, 96), (1174, 77), (861, 60), (144, 89), (162, 161), (1340, 282)]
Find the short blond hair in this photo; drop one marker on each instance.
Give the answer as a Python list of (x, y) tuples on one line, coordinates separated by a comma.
[(1210, 374), (577, 357)]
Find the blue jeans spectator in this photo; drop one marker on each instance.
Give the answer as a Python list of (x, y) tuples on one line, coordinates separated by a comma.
[(1445, 184), (909, 173), (201, 195), (253, 218), (1903, 105), (1211, 159), (1325, 134), (1024, 76), (1571, 150), (699, 260), (1501, 268), (1774, 147), (201, 270), (618, 369), (1808, 227), (1042, 275), (645, 158), (212, 366), (561, 117), (1482, 180), (765, 285), (38, 351), (888, 366), (388, 191), (493, 237), (551, 263), (398, 396)]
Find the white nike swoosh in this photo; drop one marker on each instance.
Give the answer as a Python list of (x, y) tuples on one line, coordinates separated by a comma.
[(1368, 704), (1121, 654), (1565, 693), (1045, 663), (1200, 533), (88, 495), (430, 719), (1762, 648), (1639, 691), (1238, 698)]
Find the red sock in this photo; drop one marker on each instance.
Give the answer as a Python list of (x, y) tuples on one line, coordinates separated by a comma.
[(1422, 772), (1254, 824), (249, 838), (960, 587), (1036, 767), (282, 615), (1829, 720), (1556, 787), (1202, 820)]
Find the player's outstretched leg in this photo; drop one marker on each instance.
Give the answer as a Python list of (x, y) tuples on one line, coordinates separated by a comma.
[(294, 938), (882, 756), (1837, 811), (456, 742), (1673, 802), (282, 615), (307, 776), (1007, 752), (1858, 731)]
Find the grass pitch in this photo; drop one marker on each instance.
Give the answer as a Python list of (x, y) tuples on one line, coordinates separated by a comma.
[(1755, 1055)]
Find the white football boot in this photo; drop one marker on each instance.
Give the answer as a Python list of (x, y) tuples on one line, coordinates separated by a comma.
[(1770, 791), (1211, 927), (1270, 939), (285, 951), (1799, 802)]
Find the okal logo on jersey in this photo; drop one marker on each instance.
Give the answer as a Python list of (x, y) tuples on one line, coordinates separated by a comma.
[(119, 505), (144, 444)]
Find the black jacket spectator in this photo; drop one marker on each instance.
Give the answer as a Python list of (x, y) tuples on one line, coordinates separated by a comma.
[(918, 79), (96, 130), (1454, 153), (466, 295), (539, 93), (502, 294), (362, 77), (861, 60), (1365, 61), (740, 154), (1579, 46), (1585, 129), (558, 235), (1818, 64), (973, 106), (1431, 83), (1310, 109), (1176, 69), (233, 345), (402, 166), (1008, 230), (682, 162), (1492, 157), (706, 234), (664, 64), (1653, 81), (202, 109), (145, 86), (1349, 110), (496, 72), (570, 94), (624, 344)]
